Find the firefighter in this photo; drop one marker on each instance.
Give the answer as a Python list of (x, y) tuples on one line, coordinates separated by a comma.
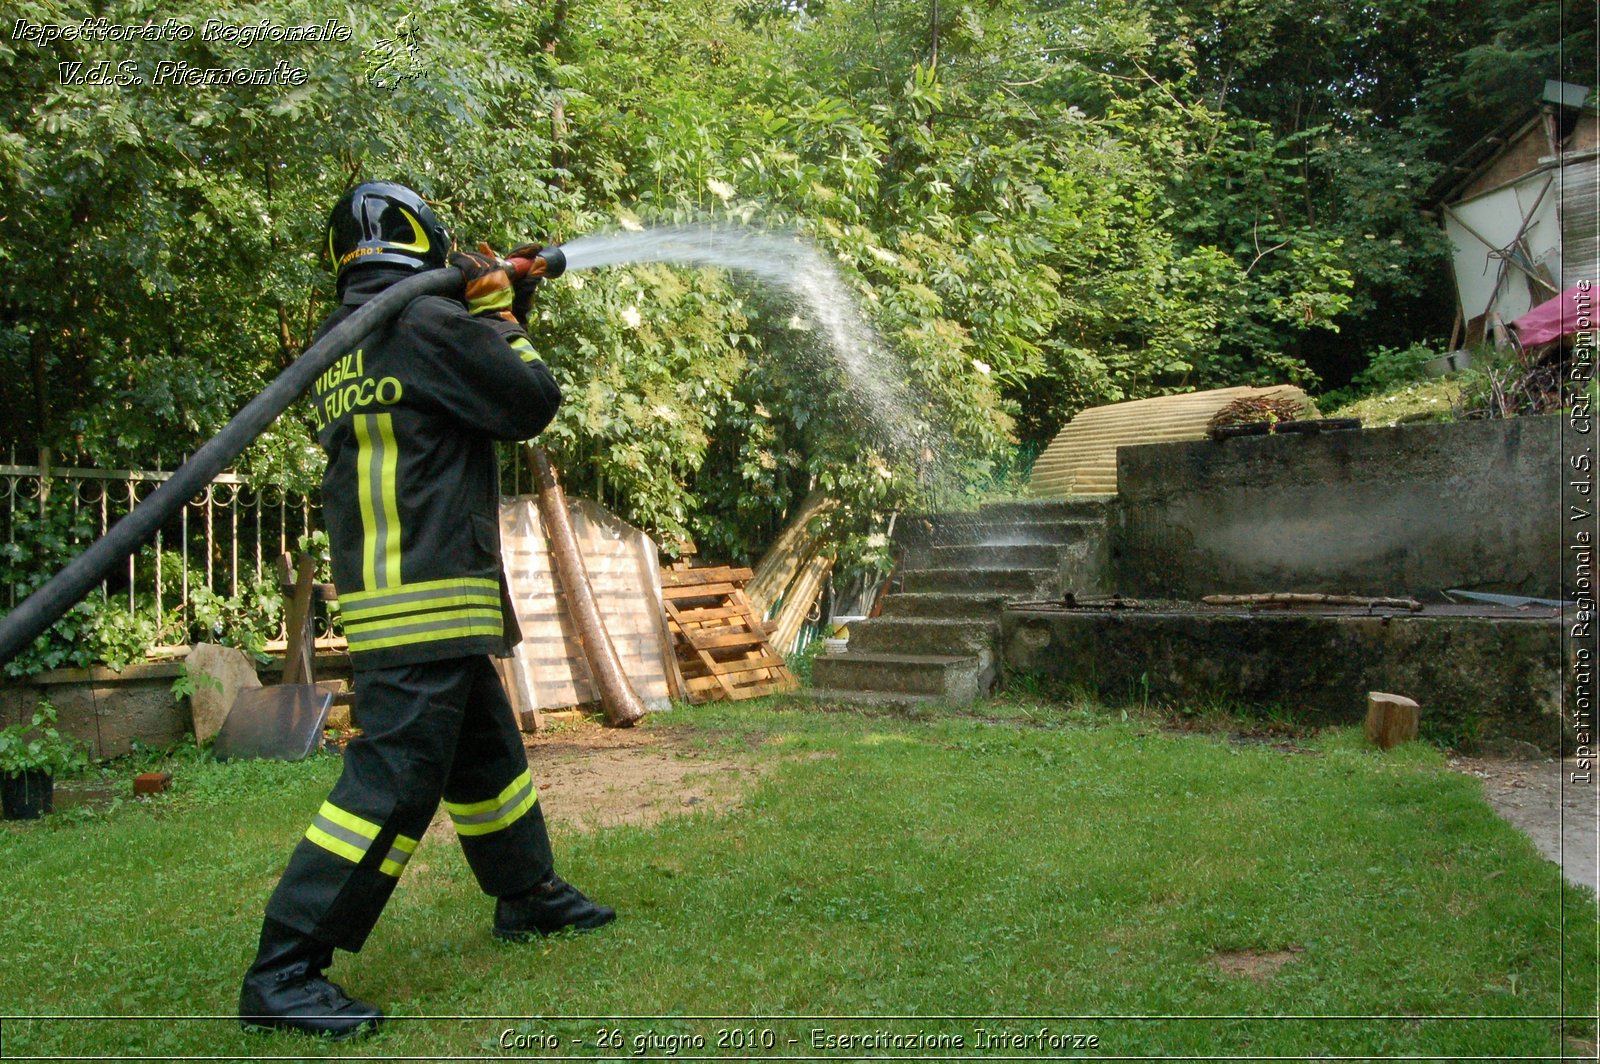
[(411, 496)]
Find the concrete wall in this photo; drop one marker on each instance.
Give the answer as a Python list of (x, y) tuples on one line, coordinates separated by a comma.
[(110, 710), (107, 710), (1477, 679), (1412, 510)]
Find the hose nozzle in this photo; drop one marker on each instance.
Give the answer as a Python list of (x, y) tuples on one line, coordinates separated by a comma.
[(546, 262)]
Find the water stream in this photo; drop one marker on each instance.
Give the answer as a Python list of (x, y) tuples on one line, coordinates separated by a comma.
[(872, 374)]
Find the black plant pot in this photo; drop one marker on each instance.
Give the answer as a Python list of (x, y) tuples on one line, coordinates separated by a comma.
[(27, 795)]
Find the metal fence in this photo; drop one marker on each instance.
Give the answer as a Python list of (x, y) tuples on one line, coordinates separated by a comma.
[(228, 535)]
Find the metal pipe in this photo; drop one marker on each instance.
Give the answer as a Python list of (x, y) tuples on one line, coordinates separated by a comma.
[(621, 702), (45, 606)]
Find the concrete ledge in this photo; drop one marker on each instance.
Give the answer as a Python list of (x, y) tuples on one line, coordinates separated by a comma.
[(111, 710), (1476, 678)]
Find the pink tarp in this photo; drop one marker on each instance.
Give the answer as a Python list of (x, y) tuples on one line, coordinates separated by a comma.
[(1557, 317)]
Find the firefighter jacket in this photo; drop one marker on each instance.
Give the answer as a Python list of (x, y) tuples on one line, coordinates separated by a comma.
[(408, 419)]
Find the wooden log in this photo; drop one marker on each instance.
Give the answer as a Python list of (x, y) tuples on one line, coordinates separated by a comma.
[(788, 554), (300, 655), (798, 600), (622, 704), (1286, 599), (1391, 719)]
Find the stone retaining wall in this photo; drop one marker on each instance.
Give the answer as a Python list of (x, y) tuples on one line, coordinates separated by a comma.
[(110, 710), (1412, 510), (1476, 678)]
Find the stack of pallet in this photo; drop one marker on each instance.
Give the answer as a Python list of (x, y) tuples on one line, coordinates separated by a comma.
[(793, 573), (719, 644)]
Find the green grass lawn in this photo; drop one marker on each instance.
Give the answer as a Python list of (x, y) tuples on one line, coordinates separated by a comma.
[(1066, 866), (1435, 397)]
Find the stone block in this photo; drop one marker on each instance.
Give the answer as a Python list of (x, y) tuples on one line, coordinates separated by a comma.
[(232, 670)]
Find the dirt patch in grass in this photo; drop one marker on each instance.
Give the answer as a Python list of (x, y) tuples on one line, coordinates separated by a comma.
[(590, 776), (1254, 964)]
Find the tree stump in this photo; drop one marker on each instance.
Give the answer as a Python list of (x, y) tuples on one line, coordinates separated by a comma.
[(1391, 719)]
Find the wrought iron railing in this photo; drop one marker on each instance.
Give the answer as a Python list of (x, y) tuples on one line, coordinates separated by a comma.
[(228, 535)]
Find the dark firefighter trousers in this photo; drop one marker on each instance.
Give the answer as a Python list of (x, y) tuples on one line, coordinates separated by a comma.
[(439, 729)]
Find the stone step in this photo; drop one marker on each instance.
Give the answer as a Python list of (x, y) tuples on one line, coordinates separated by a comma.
[(926, 635), (895, 700), (1014, 582), (951, 677), (949, 532), (943, 604), (1042, 510), (1012, 556)]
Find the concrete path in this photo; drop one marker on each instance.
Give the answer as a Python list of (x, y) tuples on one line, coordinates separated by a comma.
[(1560, 815)]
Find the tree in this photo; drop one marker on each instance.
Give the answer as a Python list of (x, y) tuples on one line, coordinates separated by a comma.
[(1038, 207)]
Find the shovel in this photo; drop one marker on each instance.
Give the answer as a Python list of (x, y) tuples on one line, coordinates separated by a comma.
[(282, 723)]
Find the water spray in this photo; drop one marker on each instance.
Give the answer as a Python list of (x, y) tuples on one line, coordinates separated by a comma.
[(780, 260), (799, 270)]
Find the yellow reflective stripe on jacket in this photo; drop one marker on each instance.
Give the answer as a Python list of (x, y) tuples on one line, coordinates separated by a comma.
[(426, 628), (380, 613), (424, 612), (464, 615), (415, 598), (377, 457), (524, 347), (497, 813), (399, 854), (342, 833)]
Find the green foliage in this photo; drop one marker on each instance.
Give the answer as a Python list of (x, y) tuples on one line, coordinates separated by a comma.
[(109, 629), (39, 746), (245, 620), (800, 661), (186, 686), (1435, 399), (1040, 207), (98, 629), (1387, 369)]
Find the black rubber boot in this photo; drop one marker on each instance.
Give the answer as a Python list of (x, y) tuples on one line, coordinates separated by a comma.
[(285, 988), (554, 905)]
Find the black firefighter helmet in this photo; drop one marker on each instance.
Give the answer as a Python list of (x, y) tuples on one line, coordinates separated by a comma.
[(380, 222)]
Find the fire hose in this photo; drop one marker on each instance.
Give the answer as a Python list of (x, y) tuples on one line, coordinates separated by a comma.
[(77, 578)]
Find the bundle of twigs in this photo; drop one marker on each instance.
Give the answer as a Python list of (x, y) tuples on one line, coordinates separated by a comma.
[(1254, 409), (1519, 391)]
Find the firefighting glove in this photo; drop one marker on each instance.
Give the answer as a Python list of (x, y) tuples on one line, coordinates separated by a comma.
[(524, 286), (488, 291)]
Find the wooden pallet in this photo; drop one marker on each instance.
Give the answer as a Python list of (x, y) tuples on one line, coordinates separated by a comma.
[(719, 644)]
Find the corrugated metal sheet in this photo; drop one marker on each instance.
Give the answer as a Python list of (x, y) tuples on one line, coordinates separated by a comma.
[(1502, 237), (1082, 459), (1580, 221)]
